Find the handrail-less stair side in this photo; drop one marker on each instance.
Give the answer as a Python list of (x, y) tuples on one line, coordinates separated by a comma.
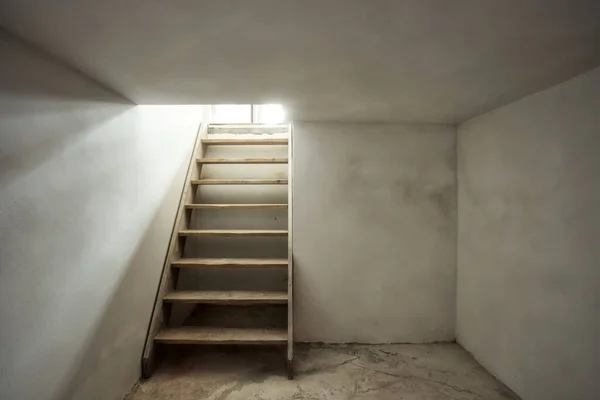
[(159, 330), (290, 285), (168, 280)]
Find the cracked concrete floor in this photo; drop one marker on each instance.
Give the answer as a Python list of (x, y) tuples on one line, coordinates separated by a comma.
[(382, 372)]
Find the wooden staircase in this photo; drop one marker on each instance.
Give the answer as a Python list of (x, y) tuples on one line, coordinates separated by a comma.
[(182, 254)]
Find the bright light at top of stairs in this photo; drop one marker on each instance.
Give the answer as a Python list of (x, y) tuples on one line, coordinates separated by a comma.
[(272, 113), (246, 113)]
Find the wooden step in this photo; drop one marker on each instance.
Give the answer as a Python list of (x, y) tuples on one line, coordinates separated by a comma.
[(230, 262), (242, 160), (234, 297), (212, 335), (239, 182), (264, 130), (255, 124), (245, 142), (236, 206), (233, 232)]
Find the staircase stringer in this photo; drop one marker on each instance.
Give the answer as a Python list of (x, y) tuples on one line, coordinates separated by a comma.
[(290, 283), (168, 279)]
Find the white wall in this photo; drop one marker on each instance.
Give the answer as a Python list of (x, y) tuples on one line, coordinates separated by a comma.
[(374, 232), (529, 236), (89, 186)]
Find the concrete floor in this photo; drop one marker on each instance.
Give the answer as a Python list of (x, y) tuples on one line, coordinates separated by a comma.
[(382, 372)]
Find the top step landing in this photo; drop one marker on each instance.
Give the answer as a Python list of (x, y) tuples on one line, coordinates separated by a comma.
[(236, 129)]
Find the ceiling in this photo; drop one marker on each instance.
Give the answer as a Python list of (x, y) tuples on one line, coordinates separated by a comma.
[(341, 60)]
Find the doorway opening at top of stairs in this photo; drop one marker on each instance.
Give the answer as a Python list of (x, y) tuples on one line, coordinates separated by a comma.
[(248, 113)]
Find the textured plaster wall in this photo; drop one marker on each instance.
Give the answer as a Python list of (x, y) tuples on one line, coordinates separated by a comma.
[(374, 232), (528, 249), (89, 186)]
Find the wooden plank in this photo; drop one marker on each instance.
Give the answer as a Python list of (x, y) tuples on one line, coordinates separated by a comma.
[(246, 124), (233, 232), (254, 129), (239, 182), (158, 319), (236, 206), (242, 160), (290, 283), (212, 335), (235, 297), (230, 262), (246, 142)]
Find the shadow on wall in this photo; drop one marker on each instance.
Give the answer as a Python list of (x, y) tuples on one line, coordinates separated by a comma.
[(86, 191), (93, 248), (122, 327), (44, 107)]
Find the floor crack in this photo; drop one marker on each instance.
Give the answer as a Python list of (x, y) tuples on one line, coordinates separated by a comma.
[(409, 377), (328, 367)]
